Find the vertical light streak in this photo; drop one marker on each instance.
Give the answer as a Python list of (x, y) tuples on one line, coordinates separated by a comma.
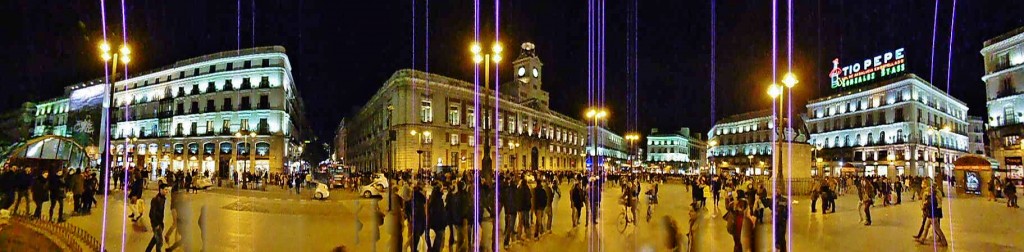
[(590, 103), (714, 65), (253, 23), (935, 30), (949, 80), (477, 114), (497, 104), (775, 115), (105, 129), (124, 217), (789, 125), (238, 26)]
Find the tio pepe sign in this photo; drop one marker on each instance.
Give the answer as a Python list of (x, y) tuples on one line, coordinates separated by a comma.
[(882, 65)]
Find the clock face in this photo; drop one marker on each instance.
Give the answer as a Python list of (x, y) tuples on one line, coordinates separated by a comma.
[(536, 73), (522, 71)]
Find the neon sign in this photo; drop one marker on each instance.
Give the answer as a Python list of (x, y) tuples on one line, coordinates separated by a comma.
[(882, 65)]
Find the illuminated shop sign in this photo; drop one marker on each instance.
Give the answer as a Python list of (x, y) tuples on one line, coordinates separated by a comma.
[(869, 69)]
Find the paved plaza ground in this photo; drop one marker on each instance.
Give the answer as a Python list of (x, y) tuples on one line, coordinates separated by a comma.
[(279, 221)]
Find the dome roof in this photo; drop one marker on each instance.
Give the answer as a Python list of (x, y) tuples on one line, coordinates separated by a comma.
[(972, 161)]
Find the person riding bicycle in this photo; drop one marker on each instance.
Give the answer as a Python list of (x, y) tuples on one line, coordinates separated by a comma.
[(628, 200)]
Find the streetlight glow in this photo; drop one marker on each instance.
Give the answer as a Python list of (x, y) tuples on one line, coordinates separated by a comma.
[(774, 90), (124, 50), (478, 58), (591, 113), (790, 80), (475, 48), (496, 49), (104, 46), (412, 132)]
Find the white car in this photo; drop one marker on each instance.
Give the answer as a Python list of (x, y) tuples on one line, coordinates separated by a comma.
[(202, 183), (321, 192), (376, 188)]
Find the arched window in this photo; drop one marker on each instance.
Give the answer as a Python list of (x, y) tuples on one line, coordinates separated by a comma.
[(208, 148), (881, 137), (243, 148), (262, 149), (225, 148), (179, 149), (847, 142), (899, 135), (193, 149), (859, 140), (871, 140)]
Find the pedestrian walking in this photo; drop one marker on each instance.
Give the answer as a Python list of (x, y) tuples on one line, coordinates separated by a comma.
[(40, 193), (417, 212), (156, 219), (815, 193), (23, 183), (436, 218), (77, 184), (136, 204), (576, 198), (540, 202), (57, 186), (898, 189)]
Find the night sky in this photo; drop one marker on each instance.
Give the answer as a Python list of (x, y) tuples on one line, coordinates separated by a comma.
[(342, 51)]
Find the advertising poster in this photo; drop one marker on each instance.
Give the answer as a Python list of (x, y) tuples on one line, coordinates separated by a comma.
[(85, 114), (973, 183)]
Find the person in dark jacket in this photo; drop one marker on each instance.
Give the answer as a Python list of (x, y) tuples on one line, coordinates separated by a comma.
[(156, 219), (89, 195), (57, 186), (40, 193), (76, 184), (417, 212), (508, 201), (436, 217), (540, 201), (576, 197), (453, 209), (7, 183), (525, 204), (134, 198), (24, 181)]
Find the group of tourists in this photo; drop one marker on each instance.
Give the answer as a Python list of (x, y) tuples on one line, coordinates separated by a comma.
[(42, 186)]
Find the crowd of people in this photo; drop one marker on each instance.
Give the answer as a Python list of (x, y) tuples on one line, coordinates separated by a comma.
[(23, 185)]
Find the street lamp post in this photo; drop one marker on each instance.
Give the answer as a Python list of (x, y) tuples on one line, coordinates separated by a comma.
[(124, 55), (595, 115), (707, 156), (245, 135), (479, 56), (750, 162)]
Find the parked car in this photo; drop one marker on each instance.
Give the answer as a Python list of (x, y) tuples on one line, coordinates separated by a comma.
[(375, 188), (202, 183), (321, 192)]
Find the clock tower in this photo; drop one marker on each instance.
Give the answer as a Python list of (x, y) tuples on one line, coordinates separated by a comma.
[(528, 71)]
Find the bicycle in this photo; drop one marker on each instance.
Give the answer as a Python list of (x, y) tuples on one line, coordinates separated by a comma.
[(651, 201), (624, 219)]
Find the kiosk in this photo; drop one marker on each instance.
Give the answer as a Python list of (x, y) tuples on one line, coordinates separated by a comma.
[(973, 175)]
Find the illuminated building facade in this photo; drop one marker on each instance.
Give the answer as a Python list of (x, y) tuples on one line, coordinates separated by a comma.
[(229, 111), (976, 134), (420, 120), (675, 151), (1004, 90), (51, 118), (610, 147), (743, 143), (900, 125)]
